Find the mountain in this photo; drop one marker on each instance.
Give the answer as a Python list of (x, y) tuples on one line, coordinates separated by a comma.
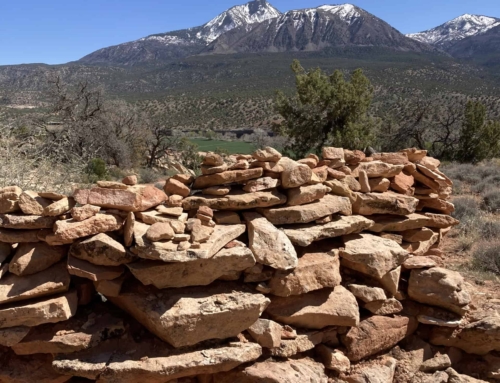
[(182, 43), (314, 29), (453, 31)]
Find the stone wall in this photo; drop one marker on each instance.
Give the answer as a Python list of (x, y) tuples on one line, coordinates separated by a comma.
[(263, 269)]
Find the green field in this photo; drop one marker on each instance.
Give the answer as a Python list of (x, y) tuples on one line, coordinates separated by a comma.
[(232, 147)]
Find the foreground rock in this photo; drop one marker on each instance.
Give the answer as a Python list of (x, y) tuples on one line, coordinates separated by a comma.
[(199, 272), (266, 332), (372, 255), (24, 222), (411, 222), (439, 287), (328, 205), (101, 250), (51, 281), (33, 368), (304, 235), (314, 271), (384, 203), (373, 335), (236, 201), (289, 371), (31, 258), (270, 245), (226, 177), (172, 316), (50, 310), (69, 230), (13, 335), (316, 310)]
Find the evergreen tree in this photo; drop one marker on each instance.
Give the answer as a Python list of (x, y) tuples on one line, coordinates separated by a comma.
[(326, 111)]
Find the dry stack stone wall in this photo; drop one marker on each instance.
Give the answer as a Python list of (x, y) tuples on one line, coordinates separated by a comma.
[(263, 269)]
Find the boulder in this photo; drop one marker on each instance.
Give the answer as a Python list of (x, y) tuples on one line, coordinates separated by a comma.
[(419, 262), (439, 287), (134, 198), (375, 169), (373, 335), (414, 154), (371, 255), (34, 313), (384, 203), (334, 360), (329, 204), (481, 337), (438, 363), (379, 185), (455, 377), (306, 194), (31, 258), (101, 250), (160, 231), (26, 222), (84, 269), (304, 235), (68, 230), (341, 188), (314, 271), (379, 371), (226, 218), (331, 153), (32, 204), (198, 272), (59, 207), (266, 332), (213, 159), (130, 180), (435, 204), (227, 177), (294, 173), (285, 371), (171, 211), (236, 201), (385, 223), (270, 245), (200, 233), (317, 309), (260, 184), (301, 343), (384, 307), (367, 294), (172, 186), (192, 315), (84, 212), (353, 157), (267, 154), (217, 190), (51, 281)]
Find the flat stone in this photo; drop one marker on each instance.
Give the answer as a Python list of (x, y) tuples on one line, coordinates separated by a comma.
[(403, 183), (260, 184), (306, 194), (384, 203), (414, 154), (270, 245), (236, 201), (439, 287), (317, 309), (334, 360), (329, 204), (160, 231), (399, 158), (367, 294), (201, 233), (207, 170), (267, 154), (217, 190), (371, 255), (101, 250), (376, 169), (24, 222), (341, 188), (69, 230), (226, 218), (198, 272), (33, 368), (189, 316), (314, 271), (32, 204), (304, 235), (13, 335), (302, 343), (31, 258), (173, 211), (421, 248), (373, 335), (419, 263), (294, 173), (84, 269), (135, 198), (379, 185), (128, 230), (10, 192), (435, 204), (412, 221), (59, 207), (438, 363), (172, 186), (84, 212), (22, 236), (384, 307), (353, 157), (35, 313), (287, 371), (227, 177), (331, 153), (154, 216), (266, 332), (51, 281), (390, 281), (110, 288)]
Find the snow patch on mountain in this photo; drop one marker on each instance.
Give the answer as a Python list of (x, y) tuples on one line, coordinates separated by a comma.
[(457, 29)]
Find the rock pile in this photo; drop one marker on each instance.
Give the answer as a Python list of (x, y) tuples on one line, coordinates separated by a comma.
[(262, 269)]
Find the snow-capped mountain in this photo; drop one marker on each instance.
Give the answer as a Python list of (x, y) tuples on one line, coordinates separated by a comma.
[(314, 29), (455, 30), (187, 41)]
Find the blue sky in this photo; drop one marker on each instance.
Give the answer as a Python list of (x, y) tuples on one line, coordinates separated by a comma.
[(58, 31)]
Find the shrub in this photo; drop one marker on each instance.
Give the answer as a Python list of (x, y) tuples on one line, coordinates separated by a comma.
[(488, 183), (466, 208), (96, 169), (486, 256), (490, 229), (149, 175), (491, 200)]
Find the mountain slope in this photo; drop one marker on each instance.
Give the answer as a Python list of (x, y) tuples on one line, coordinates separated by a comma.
[(455, 30), (483, 48), (314, 29), (182, 43)]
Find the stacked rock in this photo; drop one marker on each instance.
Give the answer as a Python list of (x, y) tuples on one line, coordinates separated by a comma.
[(262, 269)]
